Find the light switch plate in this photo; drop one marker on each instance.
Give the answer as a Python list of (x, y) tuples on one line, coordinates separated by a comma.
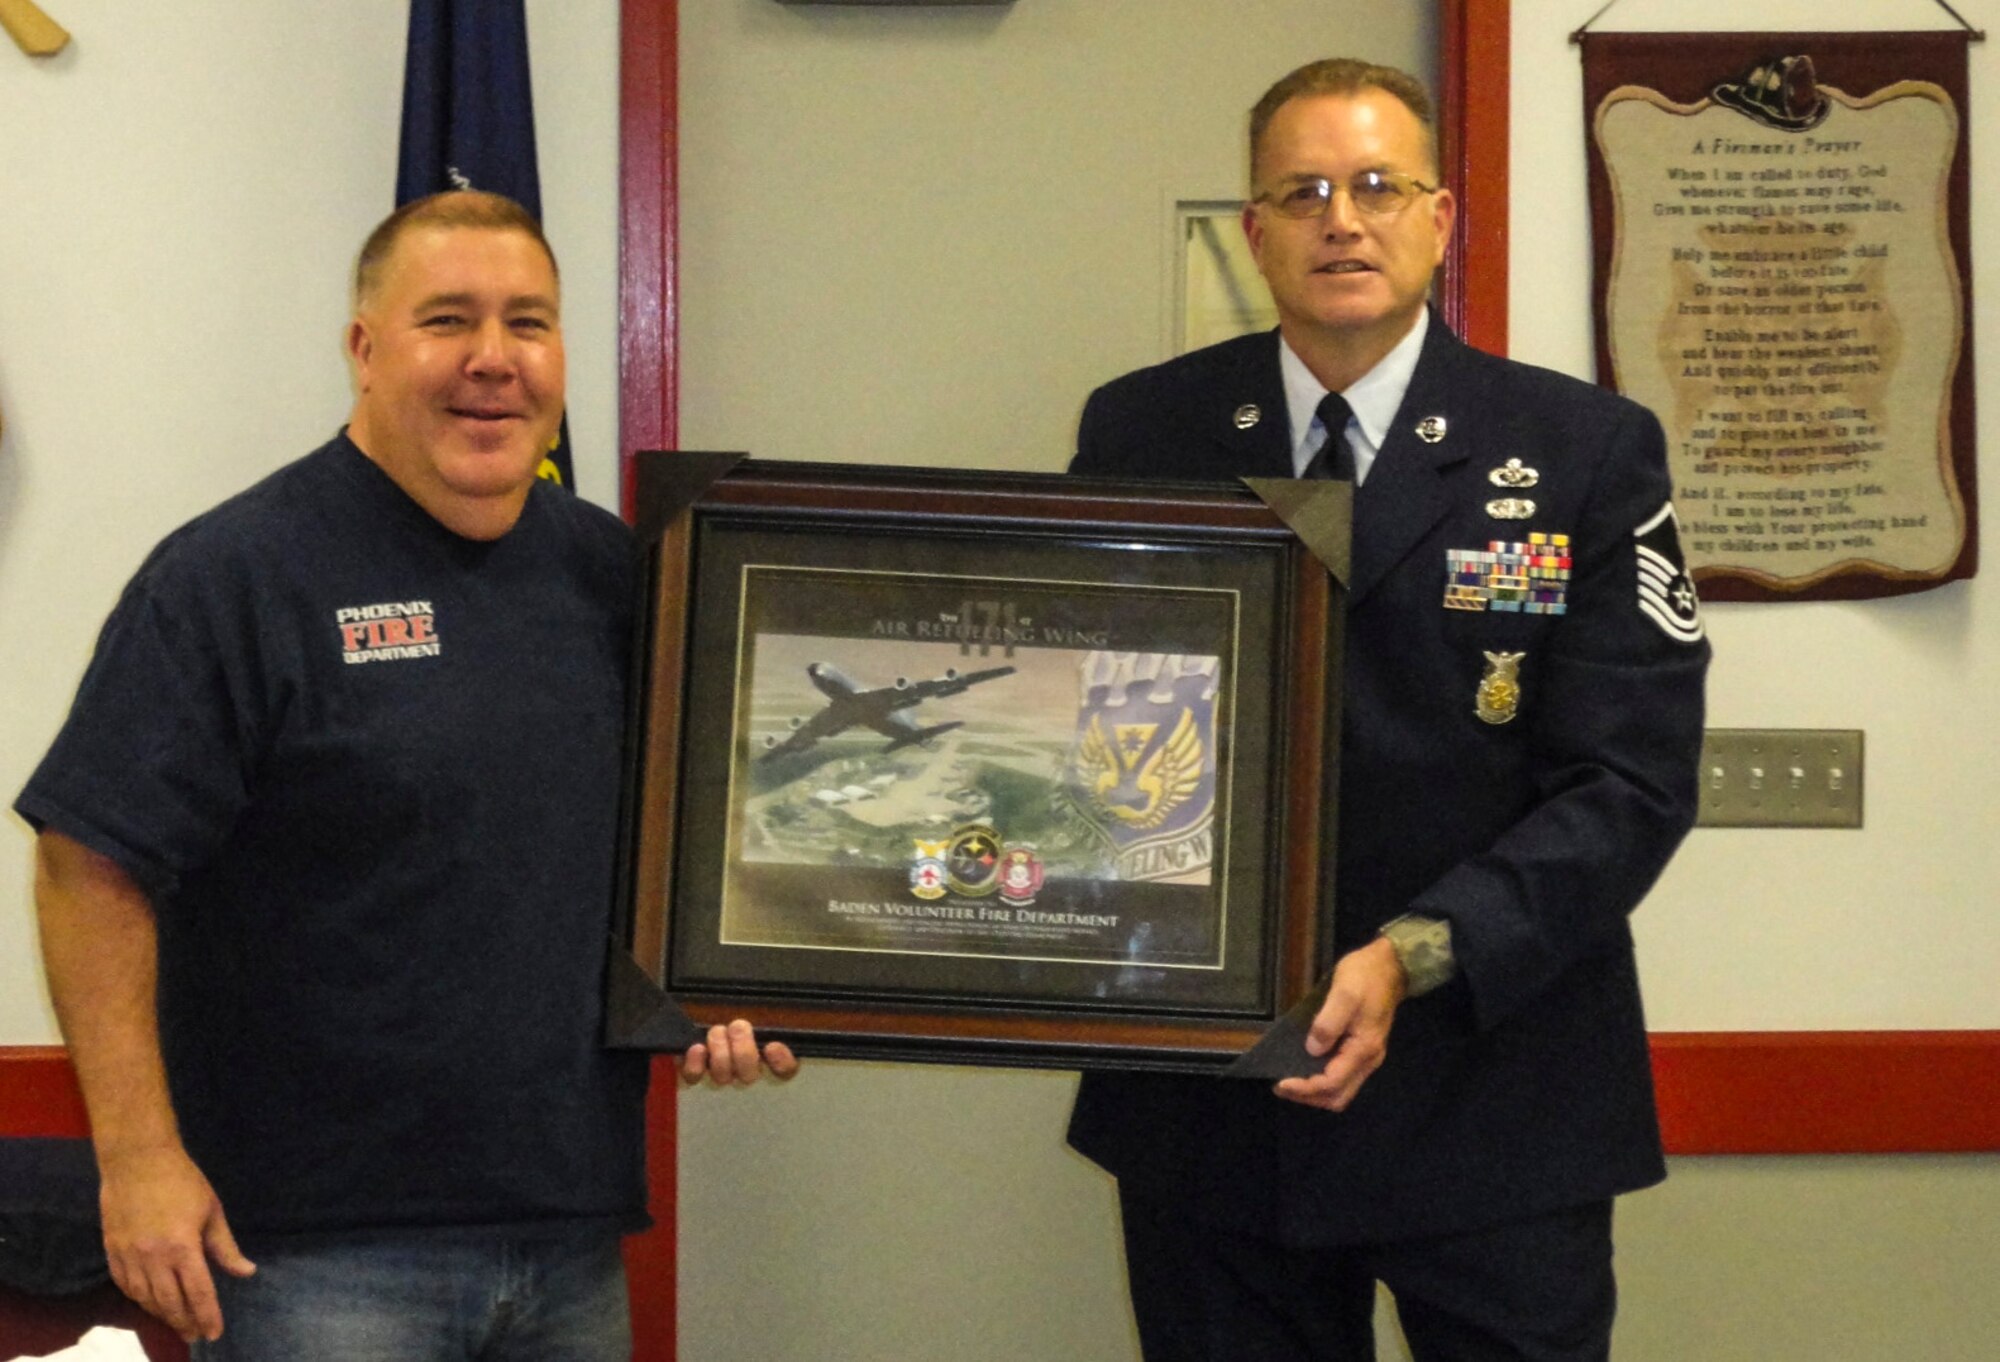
[(1780, 778)]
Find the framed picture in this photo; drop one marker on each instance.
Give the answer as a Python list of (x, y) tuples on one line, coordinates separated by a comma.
[(1218, 292), (977, 768)]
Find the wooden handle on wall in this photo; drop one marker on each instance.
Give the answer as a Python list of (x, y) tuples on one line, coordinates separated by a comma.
[(37, 34)]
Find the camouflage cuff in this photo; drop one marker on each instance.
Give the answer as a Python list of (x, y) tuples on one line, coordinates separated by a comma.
[(1423, 945)]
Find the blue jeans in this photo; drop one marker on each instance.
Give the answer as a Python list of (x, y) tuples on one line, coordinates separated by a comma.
[(419, 1300)]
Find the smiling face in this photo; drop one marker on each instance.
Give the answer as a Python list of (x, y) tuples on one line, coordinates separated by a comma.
[(458, 358), (1348, 284)]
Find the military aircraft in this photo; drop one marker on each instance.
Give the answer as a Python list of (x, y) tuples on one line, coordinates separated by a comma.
[(880, 708)]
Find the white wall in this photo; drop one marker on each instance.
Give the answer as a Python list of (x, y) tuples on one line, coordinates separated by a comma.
[(1890, 927), (182, 191), (1886, 928)]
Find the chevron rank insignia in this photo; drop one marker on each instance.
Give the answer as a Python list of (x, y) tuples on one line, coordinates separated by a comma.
[(1666, 592), (1528, 577)]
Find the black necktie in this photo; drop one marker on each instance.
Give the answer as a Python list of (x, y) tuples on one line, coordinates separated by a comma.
[(1335, 458)]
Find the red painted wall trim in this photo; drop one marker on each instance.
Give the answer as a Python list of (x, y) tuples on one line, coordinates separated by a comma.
[(1736, 1092), (1829, 1092), (649, 418), (652, 1258), (649, 227), (38, 1093), (1474, 61)]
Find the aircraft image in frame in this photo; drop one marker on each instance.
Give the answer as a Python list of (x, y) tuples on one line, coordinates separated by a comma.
[(882, 708)]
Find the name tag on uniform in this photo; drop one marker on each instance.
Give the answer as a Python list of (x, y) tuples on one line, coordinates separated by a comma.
[(1528, 578)]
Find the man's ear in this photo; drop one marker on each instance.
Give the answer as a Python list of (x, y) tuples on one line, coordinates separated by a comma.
[(1253, 232), (1444, 212), (360, 348)]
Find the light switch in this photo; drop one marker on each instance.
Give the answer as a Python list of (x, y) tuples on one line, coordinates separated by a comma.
[(1780, 778)]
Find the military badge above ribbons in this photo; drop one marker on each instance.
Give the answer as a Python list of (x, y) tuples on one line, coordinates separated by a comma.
[(988, 766)]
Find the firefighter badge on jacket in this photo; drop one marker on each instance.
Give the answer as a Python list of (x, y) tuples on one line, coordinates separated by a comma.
[(1499, 696)]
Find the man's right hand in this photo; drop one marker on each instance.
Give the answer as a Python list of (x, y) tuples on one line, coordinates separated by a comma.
[(731, 1057), (163, 1224), (162, 1221)]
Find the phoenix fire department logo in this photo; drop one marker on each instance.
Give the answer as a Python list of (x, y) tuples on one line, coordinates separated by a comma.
[(390, 631)]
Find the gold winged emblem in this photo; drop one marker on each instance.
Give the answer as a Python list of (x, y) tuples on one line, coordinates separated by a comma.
[(1136, 778), (1499, 697)]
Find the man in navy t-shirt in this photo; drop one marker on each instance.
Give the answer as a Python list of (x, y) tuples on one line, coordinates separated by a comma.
[(325, 857)]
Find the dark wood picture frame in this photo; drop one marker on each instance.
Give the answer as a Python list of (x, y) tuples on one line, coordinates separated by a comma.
[(675, 969)]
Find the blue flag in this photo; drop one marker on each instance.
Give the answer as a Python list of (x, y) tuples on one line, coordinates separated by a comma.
[(469, 120)]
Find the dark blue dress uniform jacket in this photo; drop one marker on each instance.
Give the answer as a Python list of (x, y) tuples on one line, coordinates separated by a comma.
[(1524, 1085)]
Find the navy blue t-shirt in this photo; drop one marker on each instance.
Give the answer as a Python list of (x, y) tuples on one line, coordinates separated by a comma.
[(367, 771)]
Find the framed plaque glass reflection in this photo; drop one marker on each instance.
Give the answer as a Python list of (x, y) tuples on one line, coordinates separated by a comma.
[(975, 768)]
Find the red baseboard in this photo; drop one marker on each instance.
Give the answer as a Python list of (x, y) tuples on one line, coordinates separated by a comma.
[(38, 1093), (1757, 1092), (1828, 1092), (1787, 1092)]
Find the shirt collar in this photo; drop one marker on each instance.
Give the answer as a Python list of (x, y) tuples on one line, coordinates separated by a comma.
[(1375, 398)]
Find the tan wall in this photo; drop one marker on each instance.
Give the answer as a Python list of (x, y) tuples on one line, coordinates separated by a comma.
[(919, 235)]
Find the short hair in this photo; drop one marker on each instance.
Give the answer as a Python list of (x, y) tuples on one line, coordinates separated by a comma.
[(453, 208), (1343, 76)]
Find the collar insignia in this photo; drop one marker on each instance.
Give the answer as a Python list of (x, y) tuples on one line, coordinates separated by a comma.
[(1431, 429), (1248, 415)]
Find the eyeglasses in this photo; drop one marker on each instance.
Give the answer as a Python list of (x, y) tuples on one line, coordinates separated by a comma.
[(1375, 192)]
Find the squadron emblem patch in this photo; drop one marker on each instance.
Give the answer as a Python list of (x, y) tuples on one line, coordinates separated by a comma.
[(1666, 592), (1142, 768)]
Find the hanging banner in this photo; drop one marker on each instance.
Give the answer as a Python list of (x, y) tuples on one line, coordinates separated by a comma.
[(1782, 273)]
